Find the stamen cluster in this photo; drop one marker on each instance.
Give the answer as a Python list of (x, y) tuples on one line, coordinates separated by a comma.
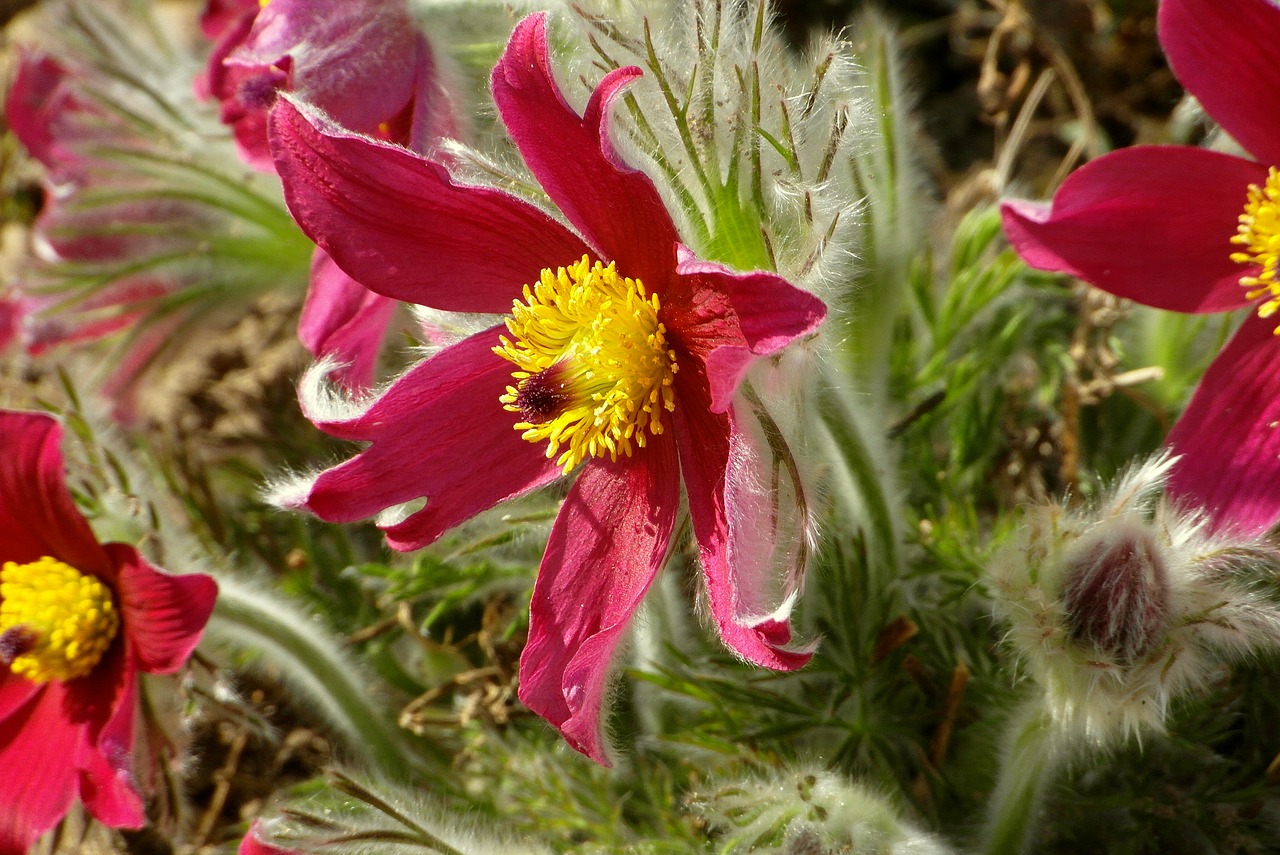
[(56, 623), (1259, 233), (595, 371)]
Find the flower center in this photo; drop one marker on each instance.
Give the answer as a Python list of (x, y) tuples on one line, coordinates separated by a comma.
[(1259, 234), (595, 372), (55, 622)]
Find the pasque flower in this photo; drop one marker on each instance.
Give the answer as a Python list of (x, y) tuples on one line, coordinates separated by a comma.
[(364, 62), (369, 67), (619, 361), (1193, 230), (79, 621)]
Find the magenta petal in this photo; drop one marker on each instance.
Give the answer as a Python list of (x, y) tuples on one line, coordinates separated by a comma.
[(1152, 223), (220, 15), (1229, 435), (727, 319), (37, 515), (345, 320), (438, 432), (164, 615), (252, 844), (616, 208), (431, 114), (738, 541), (227, 27), (609, 541), (15, 692), (248, 122), (37, 97), (399, 225), (1218, 50), (40, 740), (107, 783), (350, 58)]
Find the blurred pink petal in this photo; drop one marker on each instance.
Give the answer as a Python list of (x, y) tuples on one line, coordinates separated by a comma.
[(252, 844), (368, 68), (363, 62)]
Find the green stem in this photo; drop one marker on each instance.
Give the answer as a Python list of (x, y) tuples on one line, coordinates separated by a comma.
[(309, 661), (863, 480), (1033, 745)]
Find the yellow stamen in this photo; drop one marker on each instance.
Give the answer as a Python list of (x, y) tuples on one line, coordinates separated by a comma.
[(595, 371), (56, 623), (1259, 234)]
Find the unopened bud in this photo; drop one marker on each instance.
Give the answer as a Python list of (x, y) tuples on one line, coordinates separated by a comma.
[(1116, 595), (1120, 607)]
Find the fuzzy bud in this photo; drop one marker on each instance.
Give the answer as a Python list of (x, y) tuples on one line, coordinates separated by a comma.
[(802, 812), (1119, 608), (1116, 595)]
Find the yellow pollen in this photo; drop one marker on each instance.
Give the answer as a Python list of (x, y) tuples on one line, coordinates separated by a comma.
[(1259, 234), (594, 369), (55, 622)]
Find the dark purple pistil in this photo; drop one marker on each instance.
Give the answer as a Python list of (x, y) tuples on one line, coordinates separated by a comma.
[(542, 396), (15, 641)]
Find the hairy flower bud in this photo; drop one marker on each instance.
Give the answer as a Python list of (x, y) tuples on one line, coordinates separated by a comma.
[(1116, 595), (803, 812), (1119, 608)]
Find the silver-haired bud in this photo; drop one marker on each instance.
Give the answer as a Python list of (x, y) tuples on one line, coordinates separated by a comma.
[(1116, 594), (1120, 607)]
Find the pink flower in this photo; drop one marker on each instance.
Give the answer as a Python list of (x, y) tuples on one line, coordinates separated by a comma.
[(78, 621), (1191, 230), (623, 354), (366, 64)]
